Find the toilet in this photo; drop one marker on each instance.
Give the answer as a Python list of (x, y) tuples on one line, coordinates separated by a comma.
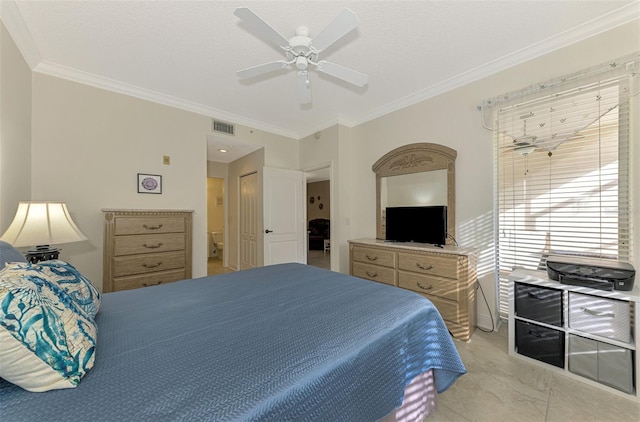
[(216, 244)]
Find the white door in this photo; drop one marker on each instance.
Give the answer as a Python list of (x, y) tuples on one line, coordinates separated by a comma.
[(284, 222), (248, 221)]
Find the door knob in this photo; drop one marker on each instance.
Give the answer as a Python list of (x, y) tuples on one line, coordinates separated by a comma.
[(268, 231)]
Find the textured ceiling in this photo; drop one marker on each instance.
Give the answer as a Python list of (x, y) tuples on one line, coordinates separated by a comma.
[(186, 53)]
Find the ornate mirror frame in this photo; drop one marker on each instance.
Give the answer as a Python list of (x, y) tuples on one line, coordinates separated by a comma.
[(418, 158)]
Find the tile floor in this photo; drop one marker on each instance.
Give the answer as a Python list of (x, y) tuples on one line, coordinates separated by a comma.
[(214, 266), (499, 387), (319, 259), (315, 258)]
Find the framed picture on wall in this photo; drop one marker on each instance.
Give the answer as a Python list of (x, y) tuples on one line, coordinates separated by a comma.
[(149, 183)]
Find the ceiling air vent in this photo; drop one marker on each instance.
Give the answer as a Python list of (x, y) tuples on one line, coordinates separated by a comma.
[(223, 127)]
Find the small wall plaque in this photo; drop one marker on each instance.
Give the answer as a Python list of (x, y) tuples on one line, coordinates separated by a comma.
[(149, 183)]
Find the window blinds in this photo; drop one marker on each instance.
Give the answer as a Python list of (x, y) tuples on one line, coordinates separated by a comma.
[(562, 170)]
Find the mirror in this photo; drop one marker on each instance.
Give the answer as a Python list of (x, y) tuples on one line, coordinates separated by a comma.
[(414, 189), (416, 175)]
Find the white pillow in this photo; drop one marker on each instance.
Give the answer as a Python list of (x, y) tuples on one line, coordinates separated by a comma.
[(48, 340)]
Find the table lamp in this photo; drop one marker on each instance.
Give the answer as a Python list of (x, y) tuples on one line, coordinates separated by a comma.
[(42, 224)]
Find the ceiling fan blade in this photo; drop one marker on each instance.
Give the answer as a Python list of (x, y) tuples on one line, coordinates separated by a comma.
[(261, 27), (261, 69), (336, 29), (304, 87), (341, 72)]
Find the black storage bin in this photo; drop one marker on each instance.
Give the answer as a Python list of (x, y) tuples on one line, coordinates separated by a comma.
[(539, 304), (540, 343)]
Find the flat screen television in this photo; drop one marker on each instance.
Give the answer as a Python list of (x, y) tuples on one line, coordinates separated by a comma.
[(426, 224)]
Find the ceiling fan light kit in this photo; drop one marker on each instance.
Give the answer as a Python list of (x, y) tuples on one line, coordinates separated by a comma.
[(301, 51)]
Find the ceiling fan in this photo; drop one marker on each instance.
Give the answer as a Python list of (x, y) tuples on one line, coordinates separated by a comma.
[(525, 144), (303, 51)]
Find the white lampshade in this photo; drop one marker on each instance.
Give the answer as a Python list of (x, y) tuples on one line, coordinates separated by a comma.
[(42, 223)]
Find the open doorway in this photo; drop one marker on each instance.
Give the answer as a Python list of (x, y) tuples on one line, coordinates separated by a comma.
[(215, 226), (319, 218), (227, 159)]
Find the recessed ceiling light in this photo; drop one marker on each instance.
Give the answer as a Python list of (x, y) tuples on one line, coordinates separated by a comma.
[(223, 150)]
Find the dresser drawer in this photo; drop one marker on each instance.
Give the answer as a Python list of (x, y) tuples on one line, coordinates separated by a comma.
[(137, 281), (147, 225), (449, 310), (374, 273), (148, 243), (600, 316), (140, 264), (436, 286), (443, 266), (374, 256)]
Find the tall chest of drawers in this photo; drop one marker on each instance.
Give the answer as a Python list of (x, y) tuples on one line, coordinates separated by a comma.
[(446, 276), (146, 247)]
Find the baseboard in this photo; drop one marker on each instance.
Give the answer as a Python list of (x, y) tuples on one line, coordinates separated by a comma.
[(485, 322)]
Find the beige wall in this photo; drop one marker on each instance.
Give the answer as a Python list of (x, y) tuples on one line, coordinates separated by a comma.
[(15, 129), (89, 151), (215, 169), (88, 146), (215, 204), (320, 193), (452, 119)]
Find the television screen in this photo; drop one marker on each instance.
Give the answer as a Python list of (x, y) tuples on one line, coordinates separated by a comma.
[(417, 224)]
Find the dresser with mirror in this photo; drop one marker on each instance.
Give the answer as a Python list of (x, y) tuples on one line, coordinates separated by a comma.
[(420, 175)]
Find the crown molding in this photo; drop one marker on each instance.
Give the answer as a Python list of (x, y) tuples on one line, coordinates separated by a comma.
[(96, 81), (319, 127), (10, 15), (594, 27), (12, 19)]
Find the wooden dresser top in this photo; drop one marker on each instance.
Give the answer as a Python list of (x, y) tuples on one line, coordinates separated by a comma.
[(413, 246)]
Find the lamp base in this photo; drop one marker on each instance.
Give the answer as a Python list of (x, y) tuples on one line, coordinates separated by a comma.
[(42, 253)]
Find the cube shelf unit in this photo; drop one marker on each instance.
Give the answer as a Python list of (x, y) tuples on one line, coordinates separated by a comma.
[(583, 333)]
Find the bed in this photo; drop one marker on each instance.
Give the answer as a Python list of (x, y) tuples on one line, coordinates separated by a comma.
[(287, 342)]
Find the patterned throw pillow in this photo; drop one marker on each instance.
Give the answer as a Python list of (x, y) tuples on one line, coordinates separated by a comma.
[(48, 341), (69, 278)]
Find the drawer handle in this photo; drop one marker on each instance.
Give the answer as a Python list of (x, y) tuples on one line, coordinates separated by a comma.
[(372, 257), (534, 296), (152, 246), (535, 334), (596, 313), (422, 267), (154, 284), (148, 227), (371, 274), (424, 287), (152, 265)]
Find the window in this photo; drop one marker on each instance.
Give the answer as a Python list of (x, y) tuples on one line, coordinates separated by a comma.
[(562, 170)]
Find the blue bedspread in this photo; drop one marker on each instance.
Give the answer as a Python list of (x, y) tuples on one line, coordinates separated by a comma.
[(286, 342)]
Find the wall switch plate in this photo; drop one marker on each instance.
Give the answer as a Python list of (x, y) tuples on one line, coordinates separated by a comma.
[(166, 160)]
